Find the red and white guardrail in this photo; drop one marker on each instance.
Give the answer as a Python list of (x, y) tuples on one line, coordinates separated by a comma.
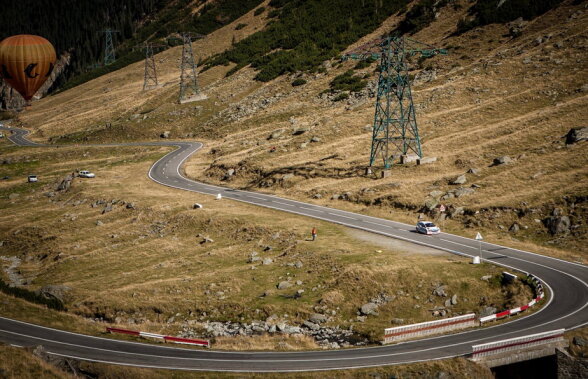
[(186, 341), (482, 351), (514, 311), (427, 328)]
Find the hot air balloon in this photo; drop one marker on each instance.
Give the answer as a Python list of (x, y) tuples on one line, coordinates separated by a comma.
[(26, 61)]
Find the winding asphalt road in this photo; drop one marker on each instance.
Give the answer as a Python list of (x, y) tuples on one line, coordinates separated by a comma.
[(566, 305)]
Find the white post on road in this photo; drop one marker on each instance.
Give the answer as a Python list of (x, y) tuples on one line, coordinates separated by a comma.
[(479, 238)]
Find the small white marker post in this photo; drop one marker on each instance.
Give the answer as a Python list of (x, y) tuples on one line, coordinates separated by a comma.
[(219, 196), (479, 238), (441, 211)]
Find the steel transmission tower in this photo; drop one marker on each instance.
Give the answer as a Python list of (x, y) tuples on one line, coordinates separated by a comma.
[(395, 132), (109, 56), (150, 80), (188, 79)]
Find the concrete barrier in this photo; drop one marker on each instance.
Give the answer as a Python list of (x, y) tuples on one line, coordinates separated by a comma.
[(185, 341), (519, 349), (427, 328)]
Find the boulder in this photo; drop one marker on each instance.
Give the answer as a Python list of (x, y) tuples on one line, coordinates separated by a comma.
[(505, 159), (311, 325), (165, 134), (267, 261), (300, 131), (397, 321), (315, 139), (463, 192), (276, 134), (58, 292), (318, 318), (283, 285), (369, 309), (558, 224), (459, 180), (474, 171), (440, 291), (436, 194), (453, 299), (107, 208), (514, 228), (197, 206), (576, 135)]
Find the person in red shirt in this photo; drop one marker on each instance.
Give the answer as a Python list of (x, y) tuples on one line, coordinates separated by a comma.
[(313, 233)]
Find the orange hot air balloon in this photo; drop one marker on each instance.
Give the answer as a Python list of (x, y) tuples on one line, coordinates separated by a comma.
[(26, 61)]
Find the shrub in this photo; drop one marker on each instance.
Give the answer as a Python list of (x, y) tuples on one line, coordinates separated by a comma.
[(347, 82), (298, 82), (307, 33), (240, 26), (342, 96)]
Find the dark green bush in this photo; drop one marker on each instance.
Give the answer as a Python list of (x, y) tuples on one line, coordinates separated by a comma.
[(420, 16), (298, 82), (307, 33), (259, 11), (31, 296), (240, 26), (347, 82), (341, 97), (486, 12)]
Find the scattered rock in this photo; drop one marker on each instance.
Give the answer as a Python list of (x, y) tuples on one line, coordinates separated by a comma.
[(276, 134), (267, 261), (459, 180), (130, 206), (315, 139), (463, 192), (197, 206), (397, 321), (369, 309), (440, 291), (58, 292), (557, 224), (454, 300), (318, 318), (107, 208), (576, 135), (448, 302), (284, 285), (486, 277), (300, 131), (99, 223), (474, 171), (436, 193), (165, 134), (13, 196), (514, 228), (505, 159), (206, 240)]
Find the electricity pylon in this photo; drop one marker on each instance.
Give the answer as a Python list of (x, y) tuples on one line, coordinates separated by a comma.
[(188, 79), (109, 56), (150, 80), (395, 128)]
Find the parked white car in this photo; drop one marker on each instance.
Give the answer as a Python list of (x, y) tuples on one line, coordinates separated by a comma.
[(32, 179), (86, 174), (427, 227)]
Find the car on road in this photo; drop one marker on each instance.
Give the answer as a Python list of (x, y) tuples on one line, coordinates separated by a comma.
[(427, 227), (86, 174), (32, 179)]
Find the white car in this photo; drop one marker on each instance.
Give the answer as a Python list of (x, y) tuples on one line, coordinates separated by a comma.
[(427, 227), (32, 179), (86, 174)]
